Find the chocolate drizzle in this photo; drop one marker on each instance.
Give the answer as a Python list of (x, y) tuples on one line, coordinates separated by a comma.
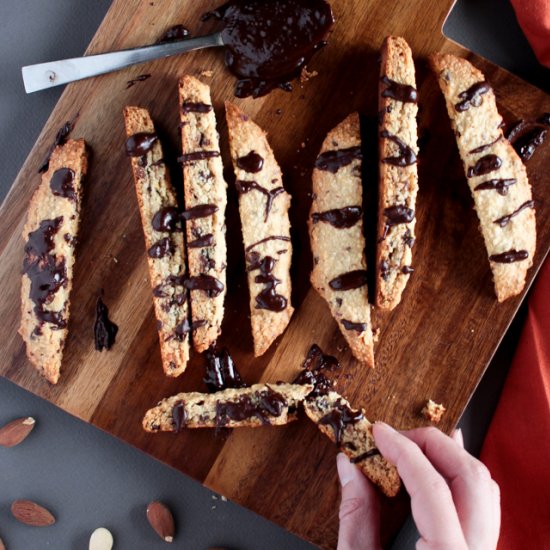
[(509, 256), (201, 242), (315, 364), (332, 161), (341, 218), (340, 417), (179, 416), (190, 107), (199, 211), (167, 220), (363, 456), (197, 155), (406, 156), (140, 144), (262, 241), (499, 185), (349, 280), (62, 183), (528, 143), (268, 297), (252, 163), (247, 186), (185, 327), (174, 34), (60, 139), (139, 78), (396, 215), (105, 330), (350, 325), (221, 372), (212, 286), (400, 92), (161, 248), (472, 96), (484, 165), (269, 43), (505, 220), (407, 270), (482, 148)]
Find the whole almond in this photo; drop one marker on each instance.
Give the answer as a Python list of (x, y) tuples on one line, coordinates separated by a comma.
[(30, 513), (161, 520), (101, 539), (16, 431)]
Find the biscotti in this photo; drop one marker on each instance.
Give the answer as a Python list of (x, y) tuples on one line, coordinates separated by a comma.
[(336, 233), (263, 208), (496, 176), (254, 406), (205, 194), (398, 174), (50, 236), (163, 231)]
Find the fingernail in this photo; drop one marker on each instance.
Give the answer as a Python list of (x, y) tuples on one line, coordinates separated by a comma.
[(383, 426), (345, 469)]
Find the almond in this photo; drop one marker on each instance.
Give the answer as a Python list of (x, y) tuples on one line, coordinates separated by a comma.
[(16, 431), (161, 520), (101, 539), (30, 513)]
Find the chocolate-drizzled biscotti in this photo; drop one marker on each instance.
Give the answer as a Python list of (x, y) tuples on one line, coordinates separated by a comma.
[(336, 232), (496, 176), (398, 175), (263, 208), (162, 227), (50, 236), (205, 201), (254, 406)]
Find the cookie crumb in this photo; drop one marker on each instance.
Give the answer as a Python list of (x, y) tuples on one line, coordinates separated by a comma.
[(306, 75), (207, 74), (433, 411)]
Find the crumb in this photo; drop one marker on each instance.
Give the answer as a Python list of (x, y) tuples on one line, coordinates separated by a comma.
[(115, 260), (279, 112), (207, 74), (306, 75), (214, 497), (433, 411), (303, 145), (224, 498), (376, 334)]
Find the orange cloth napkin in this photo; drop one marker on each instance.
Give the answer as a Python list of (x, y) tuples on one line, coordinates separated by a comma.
[(517, 446), (534, 18)]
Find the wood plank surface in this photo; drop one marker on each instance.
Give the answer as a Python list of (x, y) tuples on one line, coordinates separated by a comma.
[(436, 344)]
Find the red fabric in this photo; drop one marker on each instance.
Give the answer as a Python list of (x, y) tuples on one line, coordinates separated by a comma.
[(517, 447), (534, 18)]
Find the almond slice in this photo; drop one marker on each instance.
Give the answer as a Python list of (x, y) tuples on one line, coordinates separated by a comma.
[(16, 431), (30, 513), (161, 520), (101, 539)]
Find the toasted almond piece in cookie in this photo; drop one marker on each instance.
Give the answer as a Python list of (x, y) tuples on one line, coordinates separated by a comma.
[(398, 174), (50, 236), (352, 433), (496, 176), (263, 208), (336, 233), (257, 405), (205, 201), (163, 231)]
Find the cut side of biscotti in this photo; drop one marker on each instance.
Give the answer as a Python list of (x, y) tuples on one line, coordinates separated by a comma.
[(263, 208), (336, 234), (205, 193), (398, 174), (496, 176), (163, 231), (50, 236), (352, 433), (254, 406)]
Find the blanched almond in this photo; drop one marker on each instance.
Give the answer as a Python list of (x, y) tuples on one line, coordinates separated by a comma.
[(30, 513), (101, 539), (16, 431), (161, 520)]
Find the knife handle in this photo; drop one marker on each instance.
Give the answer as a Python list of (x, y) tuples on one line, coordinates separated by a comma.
[(47, 75)]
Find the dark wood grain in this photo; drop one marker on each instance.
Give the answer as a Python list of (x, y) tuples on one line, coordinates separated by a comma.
[(436, 344)]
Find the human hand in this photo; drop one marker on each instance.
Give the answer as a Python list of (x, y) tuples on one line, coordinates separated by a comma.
[(454, 501)]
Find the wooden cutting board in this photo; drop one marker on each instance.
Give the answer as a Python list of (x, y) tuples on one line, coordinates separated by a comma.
[(436, 344)]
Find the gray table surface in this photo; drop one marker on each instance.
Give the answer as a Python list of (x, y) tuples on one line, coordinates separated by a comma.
[(88, 478)]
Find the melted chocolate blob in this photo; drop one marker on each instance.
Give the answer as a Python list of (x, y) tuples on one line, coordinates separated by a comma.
[(350, 325), (484, 165), (185, 327), (190, 107), (406, 156), (267, 298), (350, 280), (62, 183), (247, 186), (340, 417), (341, 218), (509, 256), (139, 78), (505, 220), (384, 270), (398, 214), (174, 34), (199, 211), (167, 220), (105, 330), (161, 248), (212, 286), (528, 143), (472, 96), (60, 139), (332, 161), (499, 185), (408, 239), (201, 242), (221, 372), (363, 456), (400, 92), (269, 43), (251, 163), (263, 405), (179, 416), (197, 155), (140, 144), (407, 270), (315, 364)]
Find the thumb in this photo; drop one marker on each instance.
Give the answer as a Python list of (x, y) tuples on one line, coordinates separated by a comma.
[(359, 509)]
